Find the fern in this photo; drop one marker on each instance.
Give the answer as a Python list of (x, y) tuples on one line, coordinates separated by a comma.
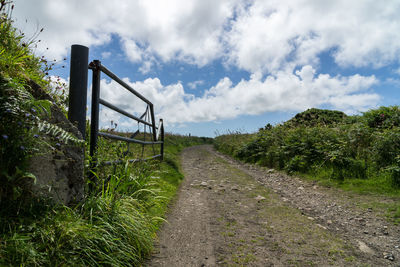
[(57, 132)]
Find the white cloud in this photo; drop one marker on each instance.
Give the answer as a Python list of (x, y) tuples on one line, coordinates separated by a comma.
[(254, 35), (193, 85), (269, 35), (64, 22), (392, 82), (108, 117), (146, 66), (280, 92), (278, 41), (106, 54), (183, 30), (133, 52)]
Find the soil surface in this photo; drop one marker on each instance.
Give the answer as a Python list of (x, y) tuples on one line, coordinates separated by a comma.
[(234, 214)]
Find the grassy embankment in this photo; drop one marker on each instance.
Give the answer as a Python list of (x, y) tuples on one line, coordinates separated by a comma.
[(355, 153), (114, 225)]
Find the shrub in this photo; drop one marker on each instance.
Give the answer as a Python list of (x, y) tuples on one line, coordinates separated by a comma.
[(394, 170), (386, 147), (319, 141), (383, 117), (316, 117), (297, 164)]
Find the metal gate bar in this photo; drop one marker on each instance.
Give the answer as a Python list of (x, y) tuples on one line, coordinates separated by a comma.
[(157, 132)]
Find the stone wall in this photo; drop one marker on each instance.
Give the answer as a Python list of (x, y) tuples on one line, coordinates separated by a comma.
[(59, 172)]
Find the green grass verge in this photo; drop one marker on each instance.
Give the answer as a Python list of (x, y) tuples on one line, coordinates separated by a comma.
[(116, 226), (379, 183), (304, 152)]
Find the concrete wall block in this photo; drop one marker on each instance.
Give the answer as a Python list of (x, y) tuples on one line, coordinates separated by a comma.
[(59, 173)]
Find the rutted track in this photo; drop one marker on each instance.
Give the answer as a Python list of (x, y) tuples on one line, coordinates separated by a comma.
[(229, 213)]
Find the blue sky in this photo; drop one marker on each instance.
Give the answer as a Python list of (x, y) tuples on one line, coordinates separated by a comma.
[(213, 66)]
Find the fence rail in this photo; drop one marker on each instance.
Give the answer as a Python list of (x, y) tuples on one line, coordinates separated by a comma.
[(97, 68), (77, 107)]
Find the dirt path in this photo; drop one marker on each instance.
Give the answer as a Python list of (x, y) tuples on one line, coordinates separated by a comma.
[(232, 214)]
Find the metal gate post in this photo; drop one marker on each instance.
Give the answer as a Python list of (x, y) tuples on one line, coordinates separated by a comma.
[(153, 122), (162, 139), (94, 122), (78, 87)]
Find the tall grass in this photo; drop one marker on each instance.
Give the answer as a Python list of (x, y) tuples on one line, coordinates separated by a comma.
[(114, 226), (105, 232)]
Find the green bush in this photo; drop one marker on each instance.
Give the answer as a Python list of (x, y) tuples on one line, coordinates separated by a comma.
[(394, 170), (327, 143), (386, 147), (296, 164), (383, 117), (316, 117)]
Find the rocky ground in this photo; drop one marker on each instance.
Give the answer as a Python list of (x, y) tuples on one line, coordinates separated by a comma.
[(234, 214)]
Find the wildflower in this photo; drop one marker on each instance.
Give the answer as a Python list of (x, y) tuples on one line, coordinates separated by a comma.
[(5, 137), (36, 136), (58, 145), (22, 148), (33, 110)]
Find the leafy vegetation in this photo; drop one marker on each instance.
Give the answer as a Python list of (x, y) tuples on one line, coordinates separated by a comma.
[(315, 117), (116, 223), (114, 226), (361, 153), (22, 117)]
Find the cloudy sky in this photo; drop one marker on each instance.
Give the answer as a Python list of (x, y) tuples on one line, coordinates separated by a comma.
[(209, 66)]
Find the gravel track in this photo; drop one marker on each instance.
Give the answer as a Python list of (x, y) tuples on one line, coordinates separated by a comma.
[(233, 214)]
